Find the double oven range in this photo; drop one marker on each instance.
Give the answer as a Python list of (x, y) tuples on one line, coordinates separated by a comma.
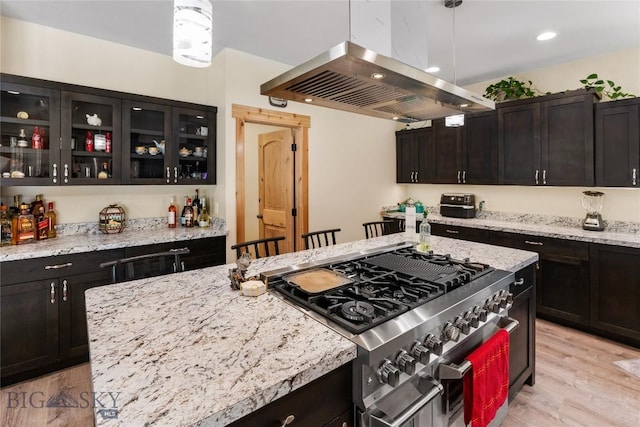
[(413, 316)]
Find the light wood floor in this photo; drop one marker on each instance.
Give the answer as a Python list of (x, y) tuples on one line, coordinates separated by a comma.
[(577, 384)]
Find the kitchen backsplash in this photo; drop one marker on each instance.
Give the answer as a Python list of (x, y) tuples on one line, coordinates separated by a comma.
[(132, 224)]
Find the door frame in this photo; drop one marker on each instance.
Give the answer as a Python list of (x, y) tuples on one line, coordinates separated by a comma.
[(300, 125)]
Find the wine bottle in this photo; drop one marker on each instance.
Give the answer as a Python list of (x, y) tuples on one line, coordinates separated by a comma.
[(184, 207), (197, 206), (203, 217), (171, 220), (188, 214), (425, 236), (53, 219)]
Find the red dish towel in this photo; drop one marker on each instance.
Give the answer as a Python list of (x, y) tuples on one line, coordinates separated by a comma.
[(487, 385)]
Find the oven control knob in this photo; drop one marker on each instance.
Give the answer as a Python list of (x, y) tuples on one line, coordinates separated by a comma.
[(506, 296), (480, 312), (433, 344), (473, 320), (492, 306), (462, 324), (450, 332), (388, 374), (420, 352), (406, 362)]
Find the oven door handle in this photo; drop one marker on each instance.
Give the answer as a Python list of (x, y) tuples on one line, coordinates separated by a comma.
[(456, 372), (378, 419)]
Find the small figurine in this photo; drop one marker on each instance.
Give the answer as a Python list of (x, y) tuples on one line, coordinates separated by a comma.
[(94, 120)]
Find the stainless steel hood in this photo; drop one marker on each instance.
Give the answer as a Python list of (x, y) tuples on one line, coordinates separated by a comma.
[(342, 79)]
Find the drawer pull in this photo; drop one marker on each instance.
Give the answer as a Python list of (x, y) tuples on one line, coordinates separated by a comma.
[(57, 266), (288, 420), (452, 231), (53, 293), (519, 282), (64, 290), (529, 242)]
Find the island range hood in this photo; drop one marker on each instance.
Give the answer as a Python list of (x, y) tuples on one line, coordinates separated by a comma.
[(351, 78)]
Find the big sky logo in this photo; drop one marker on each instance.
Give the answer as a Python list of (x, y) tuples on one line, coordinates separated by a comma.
[(104, 402)]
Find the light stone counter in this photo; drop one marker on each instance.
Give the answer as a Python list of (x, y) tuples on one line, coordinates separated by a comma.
[(89, 242), (185, 349), (618, 234)]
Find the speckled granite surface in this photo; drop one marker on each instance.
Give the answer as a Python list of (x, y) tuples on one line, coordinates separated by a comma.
[(186, 350), (616, 233), (79, 239)]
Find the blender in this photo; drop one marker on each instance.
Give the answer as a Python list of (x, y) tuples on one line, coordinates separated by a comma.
[(592, 202)]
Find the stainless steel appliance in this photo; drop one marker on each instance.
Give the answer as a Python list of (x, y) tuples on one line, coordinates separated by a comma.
[(414, 318), (458, 205), (592, 203)]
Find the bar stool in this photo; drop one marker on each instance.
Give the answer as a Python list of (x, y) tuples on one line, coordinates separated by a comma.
[(148, 265), (265, 243), (377, 228), (317, 237)]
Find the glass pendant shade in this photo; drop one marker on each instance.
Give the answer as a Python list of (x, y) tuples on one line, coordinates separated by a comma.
[(192, 22)]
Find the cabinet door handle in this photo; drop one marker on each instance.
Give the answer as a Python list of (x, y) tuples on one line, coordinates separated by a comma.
[(53, 293), (416, 176), (175, 174), (464, 177), (544, 176), (168, 175), (54, 175), (536, 176), (529, 242), (66, 173), (458, 177), (452, 231), (57, 266), (291, 418), (519, 282), (64, 290), (634, 176)]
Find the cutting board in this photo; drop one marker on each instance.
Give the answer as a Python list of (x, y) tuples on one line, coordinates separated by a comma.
[(317, 280)]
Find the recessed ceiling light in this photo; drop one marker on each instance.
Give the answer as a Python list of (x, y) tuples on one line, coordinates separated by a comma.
[(464, 105), (199, 117), (13, 92), (377, 76), (308, 100), (547, 35), (136, 108), (433, 69), (395, 118)]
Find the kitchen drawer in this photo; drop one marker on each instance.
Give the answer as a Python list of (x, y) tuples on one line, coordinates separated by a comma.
[(547, 247), (463, 233), (525, 279), (56, 266), (204, 252), (314, 405)]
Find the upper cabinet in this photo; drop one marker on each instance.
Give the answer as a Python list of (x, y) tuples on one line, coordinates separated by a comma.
[(547, 140), (89, 136), (413, 150), (618, 143), (27, 111)]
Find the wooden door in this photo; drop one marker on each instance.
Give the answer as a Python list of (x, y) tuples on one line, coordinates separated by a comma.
[(275, 187)]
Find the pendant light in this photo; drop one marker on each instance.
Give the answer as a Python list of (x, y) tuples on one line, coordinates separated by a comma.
[(192, 22)]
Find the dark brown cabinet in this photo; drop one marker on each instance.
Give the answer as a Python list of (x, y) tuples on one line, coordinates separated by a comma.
[(615, 292), (327, 401), (43, 317), (463, 233), (617, 142), (413, 149), (547, 141), (124, 131), (445, 159)]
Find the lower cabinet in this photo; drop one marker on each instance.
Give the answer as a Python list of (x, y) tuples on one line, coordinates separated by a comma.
[(326, 401), (615, 292), (43, 324), (464, 233), (522, 360)]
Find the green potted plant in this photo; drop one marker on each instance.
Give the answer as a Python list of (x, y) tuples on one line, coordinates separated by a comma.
[(510, 88), (604, 87)]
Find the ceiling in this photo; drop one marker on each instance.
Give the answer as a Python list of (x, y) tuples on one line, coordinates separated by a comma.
[(478, 41)]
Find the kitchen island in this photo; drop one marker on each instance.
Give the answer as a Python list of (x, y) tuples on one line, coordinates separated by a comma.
[(185, 349)]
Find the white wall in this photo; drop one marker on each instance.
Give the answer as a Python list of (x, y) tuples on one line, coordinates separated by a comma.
[(622, 204)]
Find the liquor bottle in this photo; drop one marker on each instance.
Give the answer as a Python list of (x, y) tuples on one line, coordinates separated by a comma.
[(188, 214), (197, 205), (36, 139), (108, 143), (203, 217), (23, 227), (425, 236), (184, 207), (37, 210), (5, 226), (104, 173), (52, 222), (171, 220), (15, 209), (88, 141), (22, 139)]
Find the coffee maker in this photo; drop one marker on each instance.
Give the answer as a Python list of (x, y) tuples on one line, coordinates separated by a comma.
[(592, 203)]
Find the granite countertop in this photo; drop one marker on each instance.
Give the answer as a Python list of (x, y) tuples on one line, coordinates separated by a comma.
[(619, 234), (185, 349), (78, 243)]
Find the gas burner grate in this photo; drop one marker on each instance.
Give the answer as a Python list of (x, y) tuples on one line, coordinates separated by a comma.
[(413, 267)]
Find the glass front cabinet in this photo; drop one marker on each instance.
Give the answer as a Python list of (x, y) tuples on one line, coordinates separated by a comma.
[(29, 135), (58, 134)]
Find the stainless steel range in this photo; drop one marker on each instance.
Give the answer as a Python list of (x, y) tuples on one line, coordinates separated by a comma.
[(414, 318)]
